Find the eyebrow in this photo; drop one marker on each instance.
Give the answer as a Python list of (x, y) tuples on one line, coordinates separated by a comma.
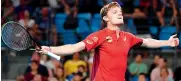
[(118, 10)]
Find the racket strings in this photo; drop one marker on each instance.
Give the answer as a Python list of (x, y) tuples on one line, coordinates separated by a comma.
[(15, 36)]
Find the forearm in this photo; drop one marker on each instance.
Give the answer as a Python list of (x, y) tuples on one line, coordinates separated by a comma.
[(68, 49), (152, 43), (63, 50)]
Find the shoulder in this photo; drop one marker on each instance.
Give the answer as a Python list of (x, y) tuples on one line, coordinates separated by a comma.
[(97, 33), (156, 70), (170, 70), (127, 33), (42, 67), (82, 62), (96, 36), (143, 64), (170, 78), (68, 61)]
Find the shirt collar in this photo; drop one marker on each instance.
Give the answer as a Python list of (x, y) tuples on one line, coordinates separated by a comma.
[(109, 31)]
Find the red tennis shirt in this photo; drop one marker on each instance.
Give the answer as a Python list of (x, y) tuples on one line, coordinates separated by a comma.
[(110, 59)]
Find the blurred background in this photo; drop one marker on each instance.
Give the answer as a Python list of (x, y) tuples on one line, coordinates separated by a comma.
[(59, 22)]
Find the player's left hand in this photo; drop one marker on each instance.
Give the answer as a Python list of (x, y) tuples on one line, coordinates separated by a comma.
[(173, 41)]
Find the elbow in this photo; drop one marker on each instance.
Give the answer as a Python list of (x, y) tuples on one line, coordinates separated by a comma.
[(145, 43), (73, 49), (148, 43)]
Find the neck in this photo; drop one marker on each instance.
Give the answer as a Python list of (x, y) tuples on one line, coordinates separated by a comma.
[(34, 72), (138, 62), (75, 59), (161, 66), (113, 27), (26, 18), (164, 76)]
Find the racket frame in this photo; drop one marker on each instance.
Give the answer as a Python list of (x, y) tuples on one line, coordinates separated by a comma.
[(34, 44)]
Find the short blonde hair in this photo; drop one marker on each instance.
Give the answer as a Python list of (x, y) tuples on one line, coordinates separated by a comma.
[(107, 7)]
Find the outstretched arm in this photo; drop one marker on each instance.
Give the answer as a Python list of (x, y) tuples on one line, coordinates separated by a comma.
[(64, 49), (152, 43)]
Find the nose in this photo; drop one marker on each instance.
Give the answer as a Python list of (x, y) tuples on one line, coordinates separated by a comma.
[(120, 14)]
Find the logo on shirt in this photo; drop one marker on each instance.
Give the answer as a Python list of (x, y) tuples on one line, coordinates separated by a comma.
[(109, 39), (124, 38), (95, 39), (89, 42)]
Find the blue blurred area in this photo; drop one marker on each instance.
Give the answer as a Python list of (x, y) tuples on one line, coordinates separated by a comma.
[(88, 23), (165, 34)]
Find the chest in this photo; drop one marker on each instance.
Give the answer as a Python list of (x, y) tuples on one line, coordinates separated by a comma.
[(116, 46), (74, 63)]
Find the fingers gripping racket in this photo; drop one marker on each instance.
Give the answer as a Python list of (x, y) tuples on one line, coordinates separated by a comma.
[(16, 37)]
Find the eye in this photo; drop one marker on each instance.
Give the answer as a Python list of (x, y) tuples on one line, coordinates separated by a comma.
[(114, 12)]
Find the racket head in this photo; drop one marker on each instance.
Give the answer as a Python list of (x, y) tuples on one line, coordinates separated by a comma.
[(15, 36)]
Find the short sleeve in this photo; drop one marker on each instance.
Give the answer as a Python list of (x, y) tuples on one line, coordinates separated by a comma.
[(66, 65), (92, 41), (135, 41), (131, 68), (83, 63), (153, 74)]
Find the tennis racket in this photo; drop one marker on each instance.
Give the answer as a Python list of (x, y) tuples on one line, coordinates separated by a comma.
[(16, 37)]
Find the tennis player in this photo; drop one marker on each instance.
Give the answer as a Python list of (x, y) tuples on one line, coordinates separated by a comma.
[(111, 46)]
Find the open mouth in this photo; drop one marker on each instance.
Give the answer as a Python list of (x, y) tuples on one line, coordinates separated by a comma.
[(120, 18)]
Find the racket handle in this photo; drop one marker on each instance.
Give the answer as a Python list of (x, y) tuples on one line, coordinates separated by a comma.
[(53, 55)]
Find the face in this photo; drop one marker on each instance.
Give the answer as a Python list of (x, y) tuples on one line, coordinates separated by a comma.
[(87, 79), (44, 11), (137, 10), (114, 16), (138, 58), (35, 56), (54, 30), (161, 62), (26, 13), (171, 2), (81, 69), (141, 78), (59, 72), (164, 72), (76, 56), (56, 63), (34, 66), (44, 57), (156, 59), (77, 78)]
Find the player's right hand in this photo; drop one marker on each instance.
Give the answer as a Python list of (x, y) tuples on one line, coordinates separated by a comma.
[(44, 50)]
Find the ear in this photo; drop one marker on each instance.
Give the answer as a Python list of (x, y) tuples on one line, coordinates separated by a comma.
[(105, 18)]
